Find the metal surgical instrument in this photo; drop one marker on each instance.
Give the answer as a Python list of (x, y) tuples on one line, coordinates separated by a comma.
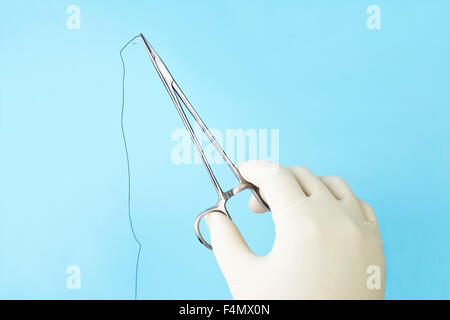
[(176, 94)]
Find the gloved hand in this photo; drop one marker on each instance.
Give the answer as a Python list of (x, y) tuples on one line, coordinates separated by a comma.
[(327, 243)]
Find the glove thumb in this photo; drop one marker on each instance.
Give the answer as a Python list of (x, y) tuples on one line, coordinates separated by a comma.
[(232, 252)]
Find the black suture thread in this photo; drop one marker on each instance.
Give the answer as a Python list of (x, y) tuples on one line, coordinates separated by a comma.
[(128, 169)]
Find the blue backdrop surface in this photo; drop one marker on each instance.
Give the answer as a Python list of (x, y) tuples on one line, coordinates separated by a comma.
[(369, 105)]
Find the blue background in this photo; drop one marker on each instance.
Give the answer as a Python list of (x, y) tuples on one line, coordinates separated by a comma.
[(371, 106)]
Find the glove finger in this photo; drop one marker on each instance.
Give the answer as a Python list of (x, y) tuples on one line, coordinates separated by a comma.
[(337, 187), (307, 180), (368, 211), (370, 216), (275, 181), (342, 192), (230, 249), (254, 204)]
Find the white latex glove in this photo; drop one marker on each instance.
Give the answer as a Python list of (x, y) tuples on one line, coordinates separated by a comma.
[(327, 243)]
